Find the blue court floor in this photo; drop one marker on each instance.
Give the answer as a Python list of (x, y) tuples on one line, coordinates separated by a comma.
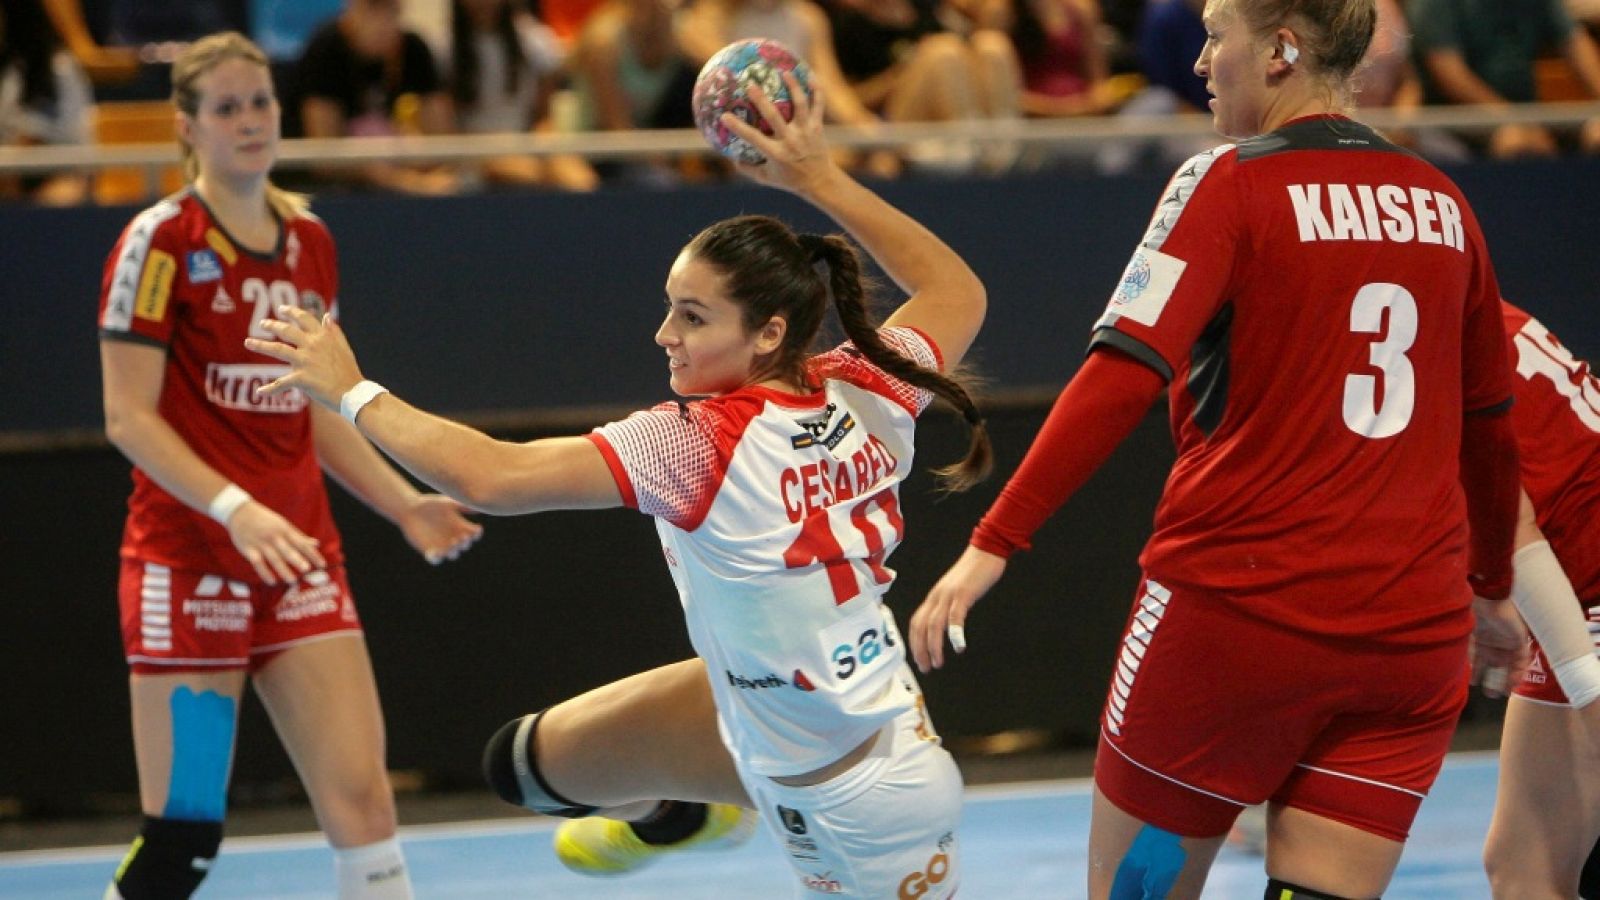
[(1019, 841)]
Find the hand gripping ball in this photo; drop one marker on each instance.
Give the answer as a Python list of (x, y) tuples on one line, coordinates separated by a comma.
[(724, 85)]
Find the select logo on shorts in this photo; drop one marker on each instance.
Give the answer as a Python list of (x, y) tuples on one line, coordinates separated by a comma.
[(933, 874), (155, 286), (793, 822)]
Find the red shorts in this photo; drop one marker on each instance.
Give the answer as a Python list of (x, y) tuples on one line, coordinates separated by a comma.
[(1539, 681), (174, 620), (1210, 711)]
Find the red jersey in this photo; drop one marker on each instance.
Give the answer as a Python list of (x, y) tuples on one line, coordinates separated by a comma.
[(177, 280), (1325, 310), (1557, 420)]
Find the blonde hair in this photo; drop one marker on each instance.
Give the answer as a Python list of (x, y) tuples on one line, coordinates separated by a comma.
[(195, 61)]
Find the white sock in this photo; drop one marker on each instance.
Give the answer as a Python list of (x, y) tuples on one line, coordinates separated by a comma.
[(374, 872)]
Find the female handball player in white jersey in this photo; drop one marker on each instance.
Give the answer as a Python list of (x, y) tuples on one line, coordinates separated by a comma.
[(1320, 308), (232, 570), (776, 500)]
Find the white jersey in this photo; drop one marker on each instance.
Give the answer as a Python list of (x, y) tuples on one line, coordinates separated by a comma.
[(777, 514)]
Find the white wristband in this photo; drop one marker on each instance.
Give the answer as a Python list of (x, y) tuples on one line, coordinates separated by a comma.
[(227, 502), (356, 399), (1579, 679)]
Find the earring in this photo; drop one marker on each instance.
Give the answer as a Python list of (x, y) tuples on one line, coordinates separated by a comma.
[(1290, 53)]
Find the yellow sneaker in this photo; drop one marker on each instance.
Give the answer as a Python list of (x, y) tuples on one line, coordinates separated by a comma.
[(606, 847)]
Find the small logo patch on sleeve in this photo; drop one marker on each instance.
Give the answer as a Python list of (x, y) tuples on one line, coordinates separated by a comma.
[(1146, 286), (155, 286)]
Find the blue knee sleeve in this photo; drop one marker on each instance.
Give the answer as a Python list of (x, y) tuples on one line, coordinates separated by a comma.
[(1150, 867), (202, 750)]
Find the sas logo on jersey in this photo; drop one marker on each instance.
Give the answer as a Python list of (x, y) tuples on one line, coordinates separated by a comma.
[(156, 286), (224, 248), (1146, 286), (203, 266)]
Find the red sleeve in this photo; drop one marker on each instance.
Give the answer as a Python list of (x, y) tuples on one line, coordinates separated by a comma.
[(1490, 478), (1099, 407)]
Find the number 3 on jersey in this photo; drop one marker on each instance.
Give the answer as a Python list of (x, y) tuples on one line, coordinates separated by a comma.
[(267, 298), (1364, 412), (817, 543)]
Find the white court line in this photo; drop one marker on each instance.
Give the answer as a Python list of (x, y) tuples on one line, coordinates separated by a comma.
[(312, 840)]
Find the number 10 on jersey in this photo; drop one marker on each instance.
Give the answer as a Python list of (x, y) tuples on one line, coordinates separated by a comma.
[(817, 543)]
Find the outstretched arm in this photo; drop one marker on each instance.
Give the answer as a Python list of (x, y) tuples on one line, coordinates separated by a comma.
[(947, 301), (499, 477), (1099, 407), (434, 525)]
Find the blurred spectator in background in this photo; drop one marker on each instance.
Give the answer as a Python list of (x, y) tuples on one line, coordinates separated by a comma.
[(567, 17), (911, 61), (1385, 76), (1065, 69), (104, 65), (1170, 37), (362, 75), (44, 99), (1484, 52), (502, 68), (706, 26), (630, 71)]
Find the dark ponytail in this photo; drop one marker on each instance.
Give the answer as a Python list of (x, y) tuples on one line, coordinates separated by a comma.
[(769, 270), (849, 300)]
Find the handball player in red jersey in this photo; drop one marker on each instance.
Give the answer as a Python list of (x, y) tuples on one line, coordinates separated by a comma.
[(232, 571), (1320, 308)]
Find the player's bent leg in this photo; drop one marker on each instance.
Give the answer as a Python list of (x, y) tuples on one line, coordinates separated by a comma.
[(1547, 809), (1320, 854), (183, 731), (336, 742), (1131, 859)]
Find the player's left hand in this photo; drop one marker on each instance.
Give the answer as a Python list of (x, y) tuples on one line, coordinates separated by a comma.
[(322, 363), (438, 528), (1499, 646)]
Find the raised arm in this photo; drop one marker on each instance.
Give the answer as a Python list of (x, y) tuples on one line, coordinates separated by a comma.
[(947, 301), (499, 477)]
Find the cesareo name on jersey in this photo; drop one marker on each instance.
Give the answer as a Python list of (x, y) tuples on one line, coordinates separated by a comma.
[(233, 386), (1386, 212), (819, 485)]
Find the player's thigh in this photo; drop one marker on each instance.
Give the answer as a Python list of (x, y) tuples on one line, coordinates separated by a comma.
[(885, 827), (184, 726), (1317, 852), (1130, 859), (323, 701), (1547, 806), (647, 736)]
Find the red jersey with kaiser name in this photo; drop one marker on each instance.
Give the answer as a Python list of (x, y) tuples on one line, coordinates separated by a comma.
[(1557, 421), (1325, 309), (178, 281)]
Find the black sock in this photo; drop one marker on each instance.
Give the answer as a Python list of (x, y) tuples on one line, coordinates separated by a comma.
[(672, 821)]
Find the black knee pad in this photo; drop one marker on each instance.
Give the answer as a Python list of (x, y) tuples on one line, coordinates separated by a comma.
[(512, 771), (168, 860), (1589, 881), (1278, 889)]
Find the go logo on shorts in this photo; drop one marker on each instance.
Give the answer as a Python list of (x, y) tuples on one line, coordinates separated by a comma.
[(920, 883)]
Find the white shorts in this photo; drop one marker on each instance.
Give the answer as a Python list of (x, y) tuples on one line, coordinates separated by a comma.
[(885, 828)]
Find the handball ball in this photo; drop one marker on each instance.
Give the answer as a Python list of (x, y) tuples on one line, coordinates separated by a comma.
[(724, 86)]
